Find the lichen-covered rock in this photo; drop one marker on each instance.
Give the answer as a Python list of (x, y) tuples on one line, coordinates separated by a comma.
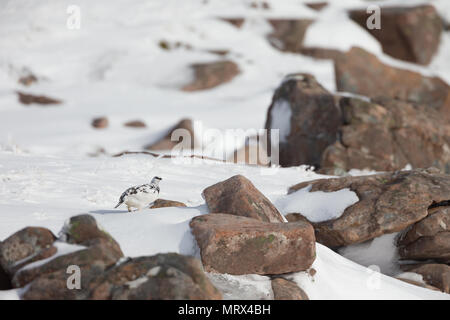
[(238, 196), (287, 290), (84, 230), (239, 245), (162, 277), (408, 33), (24, 246), (388, 202), (210, 75)]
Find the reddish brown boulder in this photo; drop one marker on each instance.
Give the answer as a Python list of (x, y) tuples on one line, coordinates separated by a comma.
[(100, 123), (429, 238), (385, 135), (407, 33), (102, 253), (237, 22), (308, 119), (238, 196), (27, 99), (166, 143), (24, 247), (135, 124), (437, 221), (336, 134), (102, 276), (436, 275), (163, 203), (162, 277), (358, 71), (321, 53), (287, 290), (210, 75), (288, 34), (388, 202), (318, 6), (436, 247), (53, 286), (240, 245)]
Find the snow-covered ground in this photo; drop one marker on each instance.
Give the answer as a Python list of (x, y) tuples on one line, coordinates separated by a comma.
[(114, 66), (47, 190)]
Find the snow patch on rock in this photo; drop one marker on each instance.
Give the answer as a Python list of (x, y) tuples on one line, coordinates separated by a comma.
[(381, 252), (281, 114), (318, 206)]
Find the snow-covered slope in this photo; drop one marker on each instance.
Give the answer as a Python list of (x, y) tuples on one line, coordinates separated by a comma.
[(47, 190), (114, 66)]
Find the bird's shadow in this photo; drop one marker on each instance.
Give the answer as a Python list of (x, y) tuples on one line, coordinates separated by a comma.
[(108, 211)]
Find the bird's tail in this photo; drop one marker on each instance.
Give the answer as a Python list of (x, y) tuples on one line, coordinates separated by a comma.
[(120, 202)]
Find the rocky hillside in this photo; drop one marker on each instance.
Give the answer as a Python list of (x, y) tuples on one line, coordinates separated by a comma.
[(356, 206)]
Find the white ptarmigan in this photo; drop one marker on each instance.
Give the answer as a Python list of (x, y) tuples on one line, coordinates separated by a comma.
[(140, 196)]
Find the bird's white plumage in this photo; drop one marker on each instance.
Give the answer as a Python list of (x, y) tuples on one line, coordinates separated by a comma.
[(141, 196)]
